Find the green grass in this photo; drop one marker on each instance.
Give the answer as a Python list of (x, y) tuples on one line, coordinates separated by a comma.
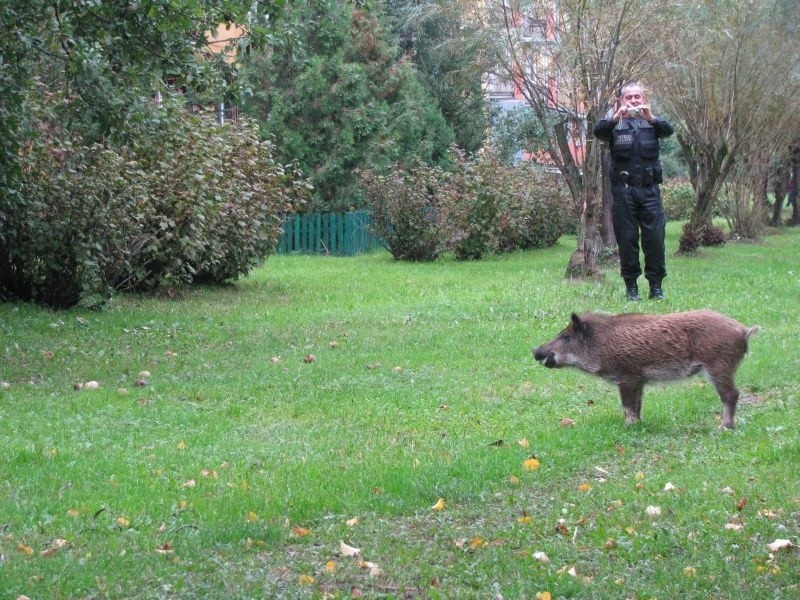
[(230, 475)]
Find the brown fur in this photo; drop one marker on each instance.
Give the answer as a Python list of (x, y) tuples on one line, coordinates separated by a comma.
[(632, 350)]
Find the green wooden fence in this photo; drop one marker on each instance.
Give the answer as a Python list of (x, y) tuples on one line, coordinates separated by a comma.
[(340, 234)]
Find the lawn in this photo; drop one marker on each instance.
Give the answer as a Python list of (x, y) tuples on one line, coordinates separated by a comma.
[(242, 442)]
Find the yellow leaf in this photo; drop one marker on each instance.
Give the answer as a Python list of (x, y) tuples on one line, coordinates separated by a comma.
[(476, 542), (301, 531), (352, 522), (525, 519), (330, 566), (524, 443), (639, 476), (305, 580), (251, 517), (531, 464), (183, 504), (584, 487), (73, 512), (122, 521), (25, 549), (630, 531), (543, 596), (181, 445), (439, 504), (690, 572), (513, 480)]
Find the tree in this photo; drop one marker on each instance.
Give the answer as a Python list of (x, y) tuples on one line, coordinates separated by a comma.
[(106, 57), (731, 94), (569, 58), (336, 95), (432, 34)]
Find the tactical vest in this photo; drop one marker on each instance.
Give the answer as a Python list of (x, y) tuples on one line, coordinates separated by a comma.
[(634, 151)]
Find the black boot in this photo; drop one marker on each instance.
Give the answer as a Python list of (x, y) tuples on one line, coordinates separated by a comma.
[(632, 291), (656, 292)]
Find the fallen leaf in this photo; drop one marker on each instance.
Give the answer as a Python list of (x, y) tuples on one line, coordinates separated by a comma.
[(330, 566), (727, 490), (525, 519), (190, 483), (251, 517), (561, 527), (165, 548), (143, 375), (181, 445), (305, 580), (123, 522), (669, 487), (333, 344), (690, 572), (439, 504), (301, 531), (543, 596), (524, 443), (541, 557), (653, 511), (309, 358), (352, 522), (24, 549), (734, 526), (91, 385), (531, 464), (615, 504), (779, 544), (610, 544), (275, 360), (769, 514), (741, 504), (584, 487), (567, 423), (209, 473), (639, 476), (513, 480), (346, 550), (73, 512), (476, 542)]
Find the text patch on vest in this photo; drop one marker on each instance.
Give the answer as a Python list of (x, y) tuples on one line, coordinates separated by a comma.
[(624, 138)]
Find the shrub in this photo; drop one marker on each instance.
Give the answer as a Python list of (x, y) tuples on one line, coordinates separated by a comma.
[(409, 210), (538, 210), (504, 208), (185, 201), (694, 236), (677, 197)]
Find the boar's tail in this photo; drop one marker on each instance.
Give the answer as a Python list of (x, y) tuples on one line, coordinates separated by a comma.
[(748, 331)]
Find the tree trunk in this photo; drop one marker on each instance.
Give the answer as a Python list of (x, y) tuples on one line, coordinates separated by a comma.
[(780, 185), (607, 230)]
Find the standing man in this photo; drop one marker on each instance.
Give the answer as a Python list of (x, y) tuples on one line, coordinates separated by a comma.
[(633, 134)]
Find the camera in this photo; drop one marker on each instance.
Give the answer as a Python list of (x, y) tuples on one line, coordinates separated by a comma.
[(634, 111)]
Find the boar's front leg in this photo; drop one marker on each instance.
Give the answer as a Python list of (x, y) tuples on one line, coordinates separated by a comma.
[(631, 396)]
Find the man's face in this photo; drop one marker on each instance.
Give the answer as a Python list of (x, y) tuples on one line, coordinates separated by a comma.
[(632, 96)]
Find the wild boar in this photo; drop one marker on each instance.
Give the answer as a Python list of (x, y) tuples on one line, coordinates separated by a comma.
[(632, 350)]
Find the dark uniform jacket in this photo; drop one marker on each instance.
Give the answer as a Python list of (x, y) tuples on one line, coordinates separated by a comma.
[(634, 148)]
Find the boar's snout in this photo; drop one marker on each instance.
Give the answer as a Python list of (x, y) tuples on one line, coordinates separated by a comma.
[(545, 356)]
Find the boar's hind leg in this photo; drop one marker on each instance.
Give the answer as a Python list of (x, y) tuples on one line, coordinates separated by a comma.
[(722, 378), (631, 396)]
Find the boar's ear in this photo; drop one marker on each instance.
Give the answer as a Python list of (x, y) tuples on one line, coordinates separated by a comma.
[(577, 324)]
